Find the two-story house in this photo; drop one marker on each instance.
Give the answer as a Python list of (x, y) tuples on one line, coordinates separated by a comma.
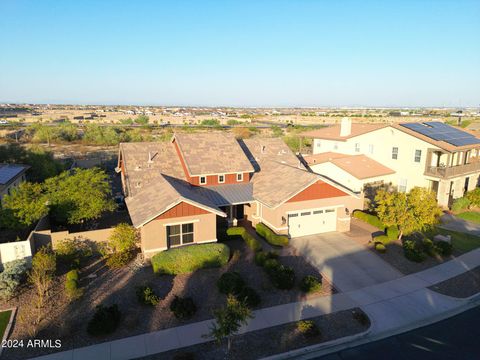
[(177, 192), (432, 154), (11, 175)]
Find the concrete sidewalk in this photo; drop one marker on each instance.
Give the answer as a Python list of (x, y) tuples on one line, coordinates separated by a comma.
[(391, 306), (451, 222)]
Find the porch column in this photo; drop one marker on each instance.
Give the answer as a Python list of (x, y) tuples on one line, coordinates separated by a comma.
[(231, 213)]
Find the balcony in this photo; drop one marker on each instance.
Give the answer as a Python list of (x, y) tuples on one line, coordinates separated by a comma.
[(446, 172)]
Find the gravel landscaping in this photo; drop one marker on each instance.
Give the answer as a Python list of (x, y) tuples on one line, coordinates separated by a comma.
[(270, 341), (68, 321), (461, 286)]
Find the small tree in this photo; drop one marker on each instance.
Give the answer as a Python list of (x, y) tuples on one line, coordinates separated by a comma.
[(42, 273), (229, 319), (24, 206), (124, 237), (411, 212)]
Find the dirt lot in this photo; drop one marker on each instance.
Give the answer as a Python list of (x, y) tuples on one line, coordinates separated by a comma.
[(274, 340), (68, 321)]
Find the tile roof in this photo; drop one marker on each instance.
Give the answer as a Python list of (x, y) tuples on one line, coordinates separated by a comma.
[(333, 132), (160, 196), (322, 157), (212, 153)]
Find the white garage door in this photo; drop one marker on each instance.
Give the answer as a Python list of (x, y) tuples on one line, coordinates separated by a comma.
[(309, 222)]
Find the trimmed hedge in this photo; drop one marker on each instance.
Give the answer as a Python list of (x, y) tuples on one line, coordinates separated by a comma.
[(369, 219), (381, 239), (72, 290), (190, 258), (270, 236), (251, 242)]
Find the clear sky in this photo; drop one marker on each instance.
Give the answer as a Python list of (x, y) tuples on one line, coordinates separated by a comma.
[(241, 53)]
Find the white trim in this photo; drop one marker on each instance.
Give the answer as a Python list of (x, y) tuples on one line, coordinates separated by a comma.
[(183, 222), (218, 178), (228, 172), (200, 180), (314, 209), (241, 177), (205, 241), (272, 226), (156, 249)]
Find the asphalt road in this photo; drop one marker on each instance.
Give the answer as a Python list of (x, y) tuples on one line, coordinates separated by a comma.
[(457, 338)]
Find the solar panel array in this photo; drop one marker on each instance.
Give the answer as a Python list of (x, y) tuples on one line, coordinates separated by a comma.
[(8, 172), (443, 132)]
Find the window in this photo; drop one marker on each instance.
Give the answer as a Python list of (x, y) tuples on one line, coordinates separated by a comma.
[(316, 212), (305, 213), (221, 179), (292, 215), (240, 177), (418, 155), (370, 148), (357, 147), (402, 185), (394, 153), (318, 143), (330, 210), (179, 234), (203, 180)]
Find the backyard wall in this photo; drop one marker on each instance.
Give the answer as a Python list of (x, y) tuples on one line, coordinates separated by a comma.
[(45, 237)]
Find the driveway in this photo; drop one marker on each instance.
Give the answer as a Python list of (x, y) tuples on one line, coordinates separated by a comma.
[(346, 263)]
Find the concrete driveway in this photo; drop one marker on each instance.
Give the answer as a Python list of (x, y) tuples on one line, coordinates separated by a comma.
[(347, 264)]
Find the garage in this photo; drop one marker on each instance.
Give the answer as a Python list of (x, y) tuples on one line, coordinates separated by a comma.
[(309, 222)]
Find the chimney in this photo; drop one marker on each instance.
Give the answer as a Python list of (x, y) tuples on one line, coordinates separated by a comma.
[(346, 127)]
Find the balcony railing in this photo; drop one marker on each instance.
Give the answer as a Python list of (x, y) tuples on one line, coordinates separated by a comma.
[(452, 171)]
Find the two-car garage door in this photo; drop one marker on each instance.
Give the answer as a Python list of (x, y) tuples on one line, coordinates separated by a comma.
[(309, 222)]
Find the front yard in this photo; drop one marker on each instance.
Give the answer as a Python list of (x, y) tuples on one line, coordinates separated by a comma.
[(473, 216), (67, 320), (4, 319)]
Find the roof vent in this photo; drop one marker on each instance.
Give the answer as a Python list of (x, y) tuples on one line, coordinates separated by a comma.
[(346, 127)]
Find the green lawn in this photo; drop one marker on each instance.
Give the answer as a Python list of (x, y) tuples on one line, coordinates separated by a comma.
[(4, 318), (461, 241), (470, 216)]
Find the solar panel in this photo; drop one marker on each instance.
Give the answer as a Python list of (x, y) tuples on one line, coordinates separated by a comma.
[(7, 173), (443, 132)]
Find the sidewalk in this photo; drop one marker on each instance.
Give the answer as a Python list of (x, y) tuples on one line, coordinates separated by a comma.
[(392, 305), (451, 222)]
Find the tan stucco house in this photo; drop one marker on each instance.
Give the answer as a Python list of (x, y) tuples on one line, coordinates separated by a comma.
[(427, 154), (178, 192)]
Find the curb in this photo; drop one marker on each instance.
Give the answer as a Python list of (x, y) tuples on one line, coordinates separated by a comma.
[(337, 345), (9, 326)]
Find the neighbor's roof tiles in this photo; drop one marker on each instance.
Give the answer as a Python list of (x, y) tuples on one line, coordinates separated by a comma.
[(333, 132)]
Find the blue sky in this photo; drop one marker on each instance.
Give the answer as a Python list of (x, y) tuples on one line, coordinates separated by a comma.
[(241, 53)]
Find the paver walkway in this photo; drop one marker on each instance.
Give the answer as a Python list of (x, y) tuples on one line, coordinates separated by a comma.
[(391, 306), (451, 222), (346, 263)]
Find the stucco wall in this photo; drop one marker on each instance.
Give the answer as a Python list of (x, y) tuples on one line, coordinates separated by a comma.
[(16, 250), (45, 237), (154, 233), (273, 217)]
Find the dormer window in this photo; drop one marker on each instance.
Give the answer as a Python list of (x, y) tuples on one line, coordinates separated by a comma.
[(221, 179), (203, 180), (240, 177)]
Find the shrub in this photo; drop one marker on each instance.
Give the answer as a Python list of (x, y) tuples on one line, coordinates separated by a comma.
[(146, 295), (262, 256), (124, 238), (429, 247), (119, 259), (11, 277), (392, 233), (460, 204), (271, 264), (381, 239), (190, 258), (72, 251), (310, 284), (251, 241), (361, 317), (230, 283), (105, 320), (370, 219), (72, 275), (443, 248), (308, 328), (270, 236), (380, 248), (282, 277), (183, 308), (71, 289), (249, 297), (413, 251), (474, 197)]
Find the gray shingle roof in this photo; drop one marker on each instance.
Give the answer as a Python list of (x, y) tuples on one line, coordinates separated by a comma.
[(229, 194)]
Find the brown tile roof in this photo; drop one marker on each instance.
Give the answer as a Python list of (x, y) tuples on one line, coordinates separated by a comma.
[(212, 153), (333, 132), (160, 196), (140, 173)]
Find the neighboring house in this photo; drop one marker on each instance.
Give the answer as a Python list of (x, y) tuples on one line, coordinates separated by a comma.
[(178, 192), (11, 175), (432, 154), (353, 171)]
